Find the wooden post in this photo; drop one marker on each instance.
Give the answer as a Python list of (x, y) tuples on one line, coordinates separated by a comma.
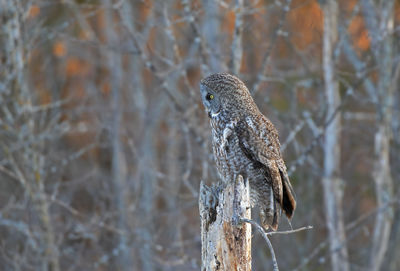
[(225, 246)]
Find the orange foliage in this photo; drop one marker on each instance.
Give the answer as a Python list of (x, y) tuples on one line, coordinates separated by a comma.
[(347, 5), (363, 41), (100, 24), (306, 20), (34, 10), (151, 41), (228, 25), (44, 96), (84, 35), (145, 9), (397, 12), (75, 90), (59, 49), (105, 88), (76, 66), (359, 33)]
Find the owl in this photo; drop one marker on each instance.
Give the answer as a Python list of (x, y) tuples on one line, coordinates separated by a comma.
[(245, 142)]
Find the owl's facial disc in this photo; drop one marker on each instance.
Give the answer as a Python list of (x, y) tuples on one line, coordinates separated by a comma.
[(210, 101)]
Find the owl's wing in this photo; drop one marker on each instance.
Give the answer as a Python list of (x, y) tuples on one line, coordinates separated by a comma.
[(260, 143)]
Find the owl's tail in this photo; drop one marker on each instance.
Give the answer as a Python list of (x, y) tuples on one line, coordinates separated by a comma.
[(277, 197), (288, 197)]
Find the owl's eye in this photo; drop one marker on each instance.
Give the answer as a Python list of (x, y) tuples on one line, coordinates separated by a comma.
[(209, 96)]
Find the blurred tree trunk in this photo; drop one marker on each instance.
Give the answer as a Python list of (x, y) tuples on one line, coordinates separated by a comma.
[(382, 172), (225, 246), (392, 261), (237, 50), (384, 194), (333, 191), (119, 167), (211, 30)]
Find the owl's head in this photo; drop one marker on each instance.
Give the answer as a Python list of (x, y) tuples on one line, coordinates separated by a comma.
[(223, 92)]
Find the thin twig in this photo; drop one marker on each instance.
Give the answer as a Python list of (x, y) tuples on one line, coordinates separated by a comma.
[(349, 228), (309, 227), (265, 235)]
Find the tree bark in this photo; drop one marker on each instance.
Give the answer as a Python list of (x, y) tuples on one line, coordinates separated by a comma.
[(225, 246), (382, 171), (333, 191)]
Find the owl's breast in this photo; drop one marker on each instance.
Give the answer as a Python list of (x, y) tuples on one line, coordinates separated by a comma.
[(229, 157)]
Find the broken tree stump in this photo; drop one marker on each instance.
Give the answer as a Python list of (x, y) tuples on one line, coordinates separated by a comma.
[(226, 244)]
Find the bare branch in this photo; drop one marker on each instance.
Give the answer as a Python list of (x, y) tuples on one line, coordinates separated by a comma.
[(265, 236)]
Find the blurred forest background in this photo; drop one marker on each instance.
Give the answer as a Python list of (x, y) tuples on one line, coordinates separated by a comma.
[(104, 141)]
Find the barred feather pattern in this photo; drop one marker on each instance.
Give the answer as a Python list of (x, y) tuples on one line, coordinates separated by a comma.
[(245, 142)]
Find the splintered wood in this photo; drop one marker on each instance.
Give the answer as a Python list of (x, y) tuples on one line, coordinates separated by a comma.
[(226, 244)]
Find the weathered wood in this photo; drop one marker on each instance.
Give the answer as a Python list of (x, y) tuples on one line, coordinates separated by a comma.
[(226, 245)]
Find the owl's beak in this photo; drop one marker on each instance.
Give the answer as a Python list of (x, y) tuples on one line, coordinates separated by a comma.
[(213, 115)]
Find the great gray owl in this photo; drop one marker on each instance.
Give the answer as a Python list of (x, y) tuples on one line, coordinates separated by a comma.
[(245, 142)]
